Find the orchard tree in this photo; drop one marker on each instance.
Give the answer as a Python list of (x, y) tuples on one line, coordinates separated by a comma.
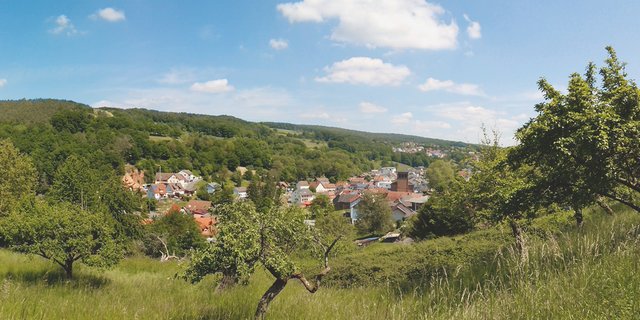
[(586, 141), (374, 214), (63, 233), (18, 177), (77, 182), (248, 239), (320, 206), (441, 175), (173, 234)]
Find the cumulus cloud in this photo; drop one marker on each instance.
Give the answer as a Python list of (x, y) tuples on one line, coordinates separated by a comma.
[(3, 82), (63, 25), (366, 71), (109, 14), (278, 44), (467, 89), (402, 118), (474, 30), (396, 24), (368, 107), (213, 86), (470, 118)]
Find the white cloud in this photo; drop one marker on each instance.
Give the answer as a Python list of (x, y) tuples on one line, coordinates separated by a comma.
[(278, 44), (63, 25), (367, 71), (474, 30), (265, 96), (213, 86), (396, 24), (470, 118), (109, 14), (178, 76), (316, 115), (3, 82), (402, 118), (467, 89), (368, 107)]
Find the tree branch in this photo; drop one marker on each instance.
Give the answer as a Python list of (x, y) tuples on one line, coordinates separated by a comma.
[(626, 203)]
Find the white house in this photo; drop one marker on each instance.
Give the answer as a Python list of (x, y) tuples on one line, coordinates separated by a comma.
[(240, 192)]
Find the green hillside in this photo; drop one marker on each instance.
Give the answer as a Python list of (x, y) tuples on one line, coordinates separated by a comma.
[(51, 130), (34, 111)]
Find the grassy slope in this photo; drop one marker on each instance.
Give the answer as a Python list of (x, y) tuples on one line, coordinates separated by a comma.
[(575, 274)]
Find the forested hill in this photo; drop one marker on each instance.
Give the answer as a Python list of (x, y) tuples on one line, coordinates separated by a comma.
[(52, 130), (328, 133)]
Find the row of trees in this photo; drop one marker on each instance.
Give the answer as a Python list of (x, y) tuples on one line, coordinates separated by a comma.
[(580, 148)]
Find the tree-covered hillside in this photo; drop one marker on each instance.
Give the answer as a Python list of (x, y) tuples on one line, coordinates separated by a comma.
[(52, 130)]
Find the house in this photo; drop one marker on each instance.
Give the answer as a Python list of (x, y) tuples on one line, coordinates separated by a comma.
[(198, 207), (302, 185), (157, 191), (207, 226), (302, 196), (322, 185), (188, 175), (167, 178), (348, 201), (240, 192), (400, 212), (387, 171), (212, 187)]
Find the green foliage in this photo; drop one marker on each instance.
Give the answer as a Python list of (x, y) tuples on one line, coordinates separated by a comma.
[(18, 177), (264, 193), (585, 141), (224, 195), (70, 120), (441, 175), (443, 215), (178, 231), (247, 238), (76, 181), (321, 205), (63, 233), (374, 214)]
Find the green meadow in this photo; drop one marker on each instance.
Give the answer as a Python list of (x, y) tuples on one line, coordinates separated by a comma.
[(590, 273)]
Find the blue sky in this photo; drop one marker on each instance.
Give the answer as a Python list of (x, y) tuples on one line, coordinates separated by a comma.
[(435, 69)]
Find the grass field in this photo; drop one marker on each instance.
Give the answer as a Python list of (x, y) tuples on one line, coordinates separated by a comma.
[(590, 273)]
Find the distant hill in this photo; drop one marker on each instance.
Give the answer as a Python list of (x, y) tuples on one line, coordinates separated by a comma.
[(324, 133), (34, 111), (41, 110)]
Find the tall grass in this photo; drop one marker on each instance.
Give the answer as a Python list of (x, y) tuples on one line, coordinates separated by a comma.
[(590, 273)]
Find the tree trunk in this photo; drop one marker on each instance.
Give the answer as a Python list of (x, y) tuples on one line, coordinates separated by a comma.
[(520, 241), (268, 296), (68, 268), (578, 216), (227, 281)]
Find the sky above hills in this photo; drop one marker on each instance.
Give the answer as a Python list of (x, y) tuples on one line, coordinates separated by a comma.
[(435, 69)]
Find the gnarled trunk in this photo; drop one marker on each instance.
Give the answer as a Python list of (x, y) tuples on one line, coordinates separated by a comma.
[(228, 280), (578, 216), (68, 268), (521, 245), (268, 296)]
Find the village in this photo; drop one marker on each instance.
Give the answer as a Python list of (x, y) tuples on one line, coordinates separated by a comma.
[(405, 192)]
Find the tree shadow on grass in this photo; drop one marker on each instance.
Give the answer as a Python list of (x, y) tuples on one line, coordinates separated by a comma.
[(56, 277)]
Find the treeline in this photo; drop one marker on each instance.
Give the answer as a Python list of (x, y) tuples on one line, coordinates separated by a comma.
[(580, 150)]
